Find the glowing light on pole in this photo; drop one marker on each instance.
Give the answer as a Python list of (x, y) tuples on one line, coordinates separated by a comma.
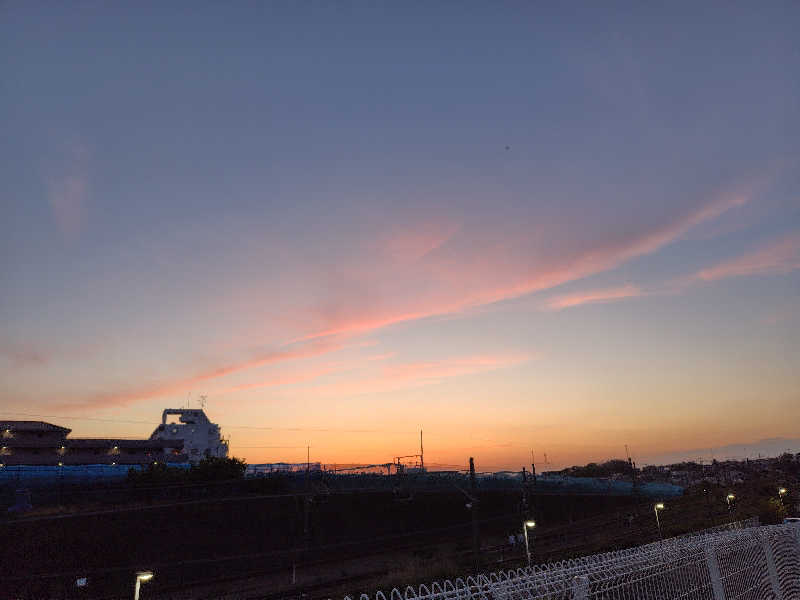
[(525, 526), (141, 577), (659, 506)]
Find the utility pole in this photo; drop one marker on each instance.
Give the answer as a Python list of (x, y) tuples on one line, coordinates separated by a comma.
[(711, 519), (421, 454), (476, 541), (307, 499), (632, 465), (524, 506), (308, 467), (533, 468)]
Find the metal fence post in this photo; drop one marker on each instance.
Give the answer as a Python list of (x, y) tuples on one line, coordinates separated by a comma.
[(713, 570), (771, 569), (580, 587)]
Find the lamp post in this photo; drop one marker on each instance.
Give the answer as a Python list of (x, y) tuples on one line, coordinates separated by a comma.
[(659, 506), (525, 526), (781, 494), (141, 577)]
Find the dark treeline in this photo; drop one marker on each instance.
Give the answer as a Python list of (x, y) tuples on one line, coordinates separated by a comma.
[(609, 468), (208, 469)]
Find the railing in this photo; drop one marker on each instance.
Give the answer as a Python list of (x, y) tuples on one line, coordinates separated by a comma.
[(740, 561)]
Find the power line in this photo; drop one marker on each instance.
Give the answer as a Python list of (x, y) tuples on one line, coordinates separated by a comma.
[(19, 414), (253, 427), (280, 447)]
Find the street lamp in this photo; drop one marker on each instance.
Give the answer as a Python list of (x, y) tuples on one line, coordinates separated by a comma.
[(659, 506), (525, 526), (141, 577), (730, 498)]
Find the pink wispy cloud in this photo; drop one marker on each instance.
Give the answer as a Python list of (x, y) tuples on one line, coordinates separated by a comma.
[(450, 280), (413, 244), (778, 256), (417, 374), (454, 367), (485, 275), (282, 379), (36, 354), (774, 257), (68, 188), (166, 388), (24, 355), (594, 296), (384, 356)]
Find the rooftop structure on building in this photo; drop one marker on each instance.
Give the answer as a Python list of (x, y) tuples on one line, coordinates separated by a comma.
[(200, 437), (39, 443)]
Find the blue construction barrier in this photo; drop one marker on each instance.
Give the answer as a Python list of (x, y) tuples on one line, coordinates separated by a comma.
[(27, 476), (594, 485), (32, 475)]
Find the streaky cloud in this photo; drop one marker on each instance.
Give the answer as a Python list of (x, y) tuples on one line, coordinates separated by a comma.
[(24, 355), (165, 388), (594, 296), (68, 185), (281, 380), (492, 279), (421, 373), (489, 275), (775, 257)]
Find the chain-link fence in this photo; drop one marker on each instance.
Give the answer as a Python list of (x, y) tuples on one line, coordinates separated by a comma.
[(737, 562)]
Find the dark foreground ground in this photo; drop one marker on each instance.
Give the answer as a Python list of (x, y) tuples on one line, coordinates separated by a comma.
[(232, 542)]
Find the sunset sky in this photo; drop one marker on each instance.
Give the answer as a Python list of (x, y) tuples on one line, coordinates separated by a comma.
[(514, 225)]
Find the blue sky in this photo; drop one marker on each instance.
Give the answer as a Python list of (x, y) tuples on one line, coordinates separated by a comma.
[(519, 223)]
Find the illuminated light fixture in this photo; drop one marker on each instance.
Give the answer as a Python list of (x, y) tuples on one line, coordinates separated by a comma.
[(659, 506), (141, 577), (731, 497), (782, 491), (60, 464), (525, 526)]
